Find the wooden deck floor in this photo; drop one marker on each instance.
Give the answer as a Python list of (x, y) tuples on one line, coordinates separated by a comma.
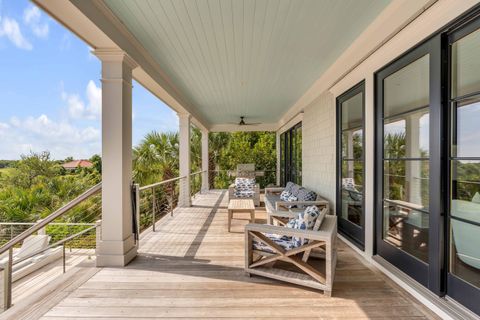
[(193, 268)]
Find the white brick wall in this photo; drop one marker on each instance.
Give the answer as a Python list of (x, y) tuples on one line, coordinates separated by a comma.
[(318, 147)]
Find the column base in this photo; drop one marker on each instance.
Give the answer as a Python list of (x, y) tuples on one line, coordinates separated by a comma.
[(116, 253)]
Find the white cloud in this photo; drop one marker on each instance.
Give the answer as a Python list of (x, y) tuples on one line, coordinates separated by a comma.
[(41, 133), (79, 109), (10, 28), (33, 18)]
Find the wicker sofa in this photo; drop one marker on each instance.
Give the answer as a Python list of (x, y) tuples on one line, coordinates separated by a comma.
[(305, 197)]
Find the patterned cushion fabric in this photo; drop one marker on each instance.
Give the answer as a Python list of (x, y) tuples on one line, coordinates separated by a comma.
[(289, 186), (242, 184), (244, 193), (292, 198), (306, 195), (284, 242), (305, 221), (284, 195), (348, 183), (295, 189)]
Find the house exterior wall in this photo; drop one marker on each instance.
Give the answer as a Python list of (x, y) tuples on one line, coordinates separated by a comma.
[(319, 122), (318, 147)]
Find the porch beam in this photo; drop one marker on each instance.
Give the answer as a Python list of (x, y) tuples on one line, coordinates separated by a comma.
[(116, 246), (184, 155)]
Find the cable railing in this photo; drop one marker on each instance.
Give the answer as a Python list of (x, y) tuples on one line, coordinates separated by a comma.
[(157, 200), (161, 198), (30, 246)]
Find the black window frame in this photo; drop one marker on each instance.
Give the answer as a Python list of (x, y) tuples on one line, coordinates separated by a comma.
[(430, 275), (288, 151), (353, 232), (456, 287)]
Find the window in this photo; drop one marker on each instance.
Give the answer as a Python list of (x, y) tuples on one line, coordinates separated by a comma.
[(350, 167), (464, 166), (291, 155)]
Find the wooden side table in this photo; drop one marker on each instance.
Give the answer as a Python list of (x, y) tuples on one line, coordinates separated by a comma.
[(240, 205)]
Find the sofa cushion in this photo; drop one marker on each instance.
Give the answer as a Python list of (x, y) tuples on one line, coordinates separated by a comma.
[(284, 195), (244, 193), (271, 199), (283, 241)]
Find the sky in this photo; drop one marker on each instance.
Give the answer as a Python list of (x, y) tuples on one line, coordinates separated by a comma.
[(50, 90)]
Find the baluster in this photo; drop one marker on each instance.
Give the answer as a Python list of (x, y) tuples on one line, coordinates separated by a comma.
[(154, 208)]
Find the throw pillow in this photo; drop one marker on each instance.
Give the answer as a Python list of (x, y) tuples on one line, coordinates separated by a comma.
[(284, 195), (292, 198)]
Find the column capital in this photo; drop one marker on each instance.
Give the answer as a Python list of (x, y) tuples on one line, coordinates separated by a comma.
[(114, 55), (184, 115)]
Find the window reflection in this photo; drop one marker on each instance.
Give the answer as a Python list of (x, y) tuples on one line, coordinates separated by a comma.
[(352, 159)]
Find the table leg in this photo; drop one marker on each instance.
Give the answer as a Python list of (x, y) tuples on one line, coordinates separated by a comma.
[(230, 213), (252, 216)]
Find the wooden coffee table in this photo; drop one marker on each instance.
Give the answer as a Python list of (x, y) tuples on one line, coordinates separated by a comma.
[(240, 205)]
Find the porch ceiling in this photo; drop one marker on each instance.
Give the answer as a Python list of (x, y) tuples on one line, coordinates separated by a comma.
[(245, 58)]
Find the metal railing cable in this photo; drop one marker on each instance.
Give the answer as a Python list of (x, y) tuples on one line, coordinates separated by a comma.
[(40, 227)]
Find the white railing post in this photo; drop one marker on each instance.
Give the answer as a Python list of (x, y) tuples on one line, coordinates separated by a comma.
[(98, 235), (205, 160)]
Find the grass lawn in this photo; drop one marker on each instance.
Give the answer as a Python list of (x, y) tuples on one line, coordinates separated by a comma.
[(7, 171)]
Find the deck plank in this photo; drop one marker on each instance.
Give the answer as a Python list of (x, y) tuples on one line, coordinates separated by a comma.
[(191, 267)]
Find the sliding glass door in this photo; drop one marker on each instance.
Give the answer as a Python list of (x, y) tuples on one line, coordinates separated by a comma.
[(408, 203), (464, 165), (350, 164), (291, 155)]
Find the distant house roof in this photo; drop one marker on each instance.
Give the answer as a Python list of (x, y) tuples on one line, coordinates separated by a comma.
[(77, 164)]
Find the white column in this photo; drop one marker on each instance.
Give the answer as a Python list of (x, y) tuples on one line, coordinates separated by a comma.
[(184, 154), (205, 185), (277, 145), (116, 246), (412, 168)]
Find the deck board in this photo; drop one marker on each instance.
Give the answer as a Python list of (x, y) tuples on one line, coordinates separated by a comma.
[(191, 267)]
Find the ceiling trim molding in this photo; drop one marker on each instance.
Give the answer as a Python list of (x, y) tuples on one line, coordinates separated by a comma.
[(390, 22)]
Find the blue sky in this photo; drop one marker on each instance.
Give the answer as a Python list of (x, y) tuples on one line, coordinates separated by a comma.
[(51, 93)]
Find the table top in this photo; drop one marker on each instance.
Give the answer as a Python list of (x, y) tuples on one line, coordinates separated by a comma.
[(241, 204)]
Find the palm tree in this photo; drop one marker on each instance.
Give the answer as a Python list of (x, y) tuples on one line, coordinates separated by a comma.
[(156, 158)]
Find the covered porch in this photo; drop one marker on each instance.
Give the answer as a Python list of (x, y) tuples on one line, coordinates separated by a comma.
[(284, 66), (191, 267)]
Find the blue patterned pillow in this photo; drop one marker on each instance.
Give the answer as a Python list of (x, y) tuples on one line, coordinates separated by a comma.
[(244, 184), (292, 198), (306, 220), (284, 195), (306, 195)]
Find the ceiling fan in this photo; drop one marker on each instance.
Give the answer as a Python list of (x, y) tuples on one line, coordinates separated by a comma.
[(243, 123)]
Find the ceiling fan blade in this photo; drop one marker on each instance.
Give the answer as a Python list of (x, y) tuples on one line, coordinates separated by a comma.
[(252, 123)]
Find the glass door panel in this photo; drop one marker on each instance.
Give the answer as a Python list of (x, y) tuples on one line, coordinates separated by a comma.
[(464, 164), (350, 181), (404, 179)]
